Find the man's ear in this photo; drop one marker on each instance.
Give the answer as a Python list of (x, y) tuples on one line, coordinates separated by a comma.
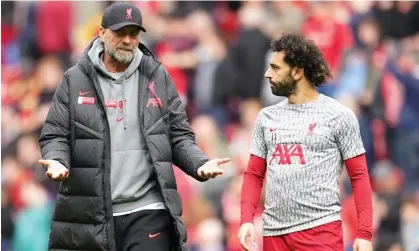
[(102, 33), (297, 73)]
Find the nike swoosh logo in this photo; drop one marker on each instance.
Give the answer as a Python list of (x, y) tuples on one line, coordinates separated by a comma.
[(272, 129), (153, 235), (83, 93), (119, 119)]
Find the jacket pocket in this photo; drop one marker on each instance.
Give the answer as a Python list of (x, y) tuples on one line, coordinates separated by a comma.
[(87, 130), (157, 124)]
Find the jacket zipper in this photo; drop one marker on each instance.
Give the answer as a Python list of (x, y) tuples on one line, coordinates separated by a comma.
[(141, 103), (142, 96), (107, 153)]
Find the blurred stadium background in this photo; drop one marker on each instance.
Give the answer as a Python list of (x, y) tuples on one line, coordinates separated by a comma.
[(217, 53)]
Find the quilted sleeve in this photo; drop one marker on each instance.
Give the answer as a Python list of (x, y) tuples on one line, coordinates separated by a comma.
[(55, 135)]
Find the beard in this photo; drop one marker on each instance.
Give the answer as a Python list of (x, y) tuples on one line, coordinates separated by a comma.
[(124, 56), (283, 88)]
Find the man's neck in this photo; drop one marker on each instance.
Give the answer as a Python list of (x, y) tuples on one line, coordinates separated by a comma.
[(305, 93), (113, 66)]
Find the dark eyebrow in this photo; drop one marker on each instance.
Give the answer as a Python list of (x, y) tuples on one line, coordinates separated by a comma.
[(274, 65)]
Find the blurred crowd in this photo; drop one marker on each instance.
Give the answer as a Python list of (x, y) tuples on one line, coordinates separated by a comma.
[(217, 53)]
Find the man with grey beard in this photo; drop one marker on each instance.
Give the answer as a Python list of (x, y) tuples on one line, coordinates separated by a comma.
[(115, 129)]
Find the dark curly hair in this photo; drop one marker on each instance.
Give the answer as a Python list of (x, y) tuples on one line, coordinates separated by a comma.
[(303, 53)]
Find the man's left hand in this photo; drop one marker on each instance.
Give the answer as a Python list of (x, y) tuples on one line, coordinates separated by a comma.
[(212, 169), (362, 245)]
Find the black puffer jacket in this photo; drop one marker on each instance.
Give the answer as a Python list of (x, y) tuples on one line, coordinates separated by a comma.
[(78, 136)]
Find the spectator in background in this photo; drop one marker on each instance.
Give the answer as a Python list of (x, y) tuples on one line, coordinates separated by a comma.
[(240, 134), (333, 38), (362, 64), (388, 187), (54, 21), (27, 151), (410, 226), (196, 206), (14, 176), (210, 235), (231, 211), (204, 56), (240, 75), (398, 19), (212, 142), (32, 225), (10, 127), (209, 51), (7, 219), (399, 89), (282, 17)]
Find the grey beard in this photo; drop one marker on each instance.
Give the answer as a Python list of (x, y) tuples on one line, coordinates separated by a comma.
[(123, 58)]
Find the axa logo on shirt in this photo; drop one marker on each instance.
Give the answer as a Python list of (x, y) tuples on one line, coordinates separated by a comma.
[(283, 153), (155, 101)]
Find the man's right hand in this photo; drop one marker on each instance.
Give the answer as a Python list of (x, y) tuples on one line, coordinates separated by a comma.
[(55, 170), (247, 230)]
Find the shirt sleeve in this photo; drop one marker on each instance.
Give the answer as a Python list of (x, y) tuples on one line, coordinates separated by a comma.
[(361, 188), (258, 145), (348, 135), (252, 187)]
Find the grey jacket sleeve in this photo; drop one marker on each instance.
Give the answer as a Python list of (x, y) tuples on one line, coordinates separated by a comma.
[(55, 135), (185, 153)]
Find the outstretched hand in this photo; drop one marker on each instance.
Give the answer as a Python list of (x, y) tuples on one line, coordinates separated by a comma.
[(212, 169), (55, 170)]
